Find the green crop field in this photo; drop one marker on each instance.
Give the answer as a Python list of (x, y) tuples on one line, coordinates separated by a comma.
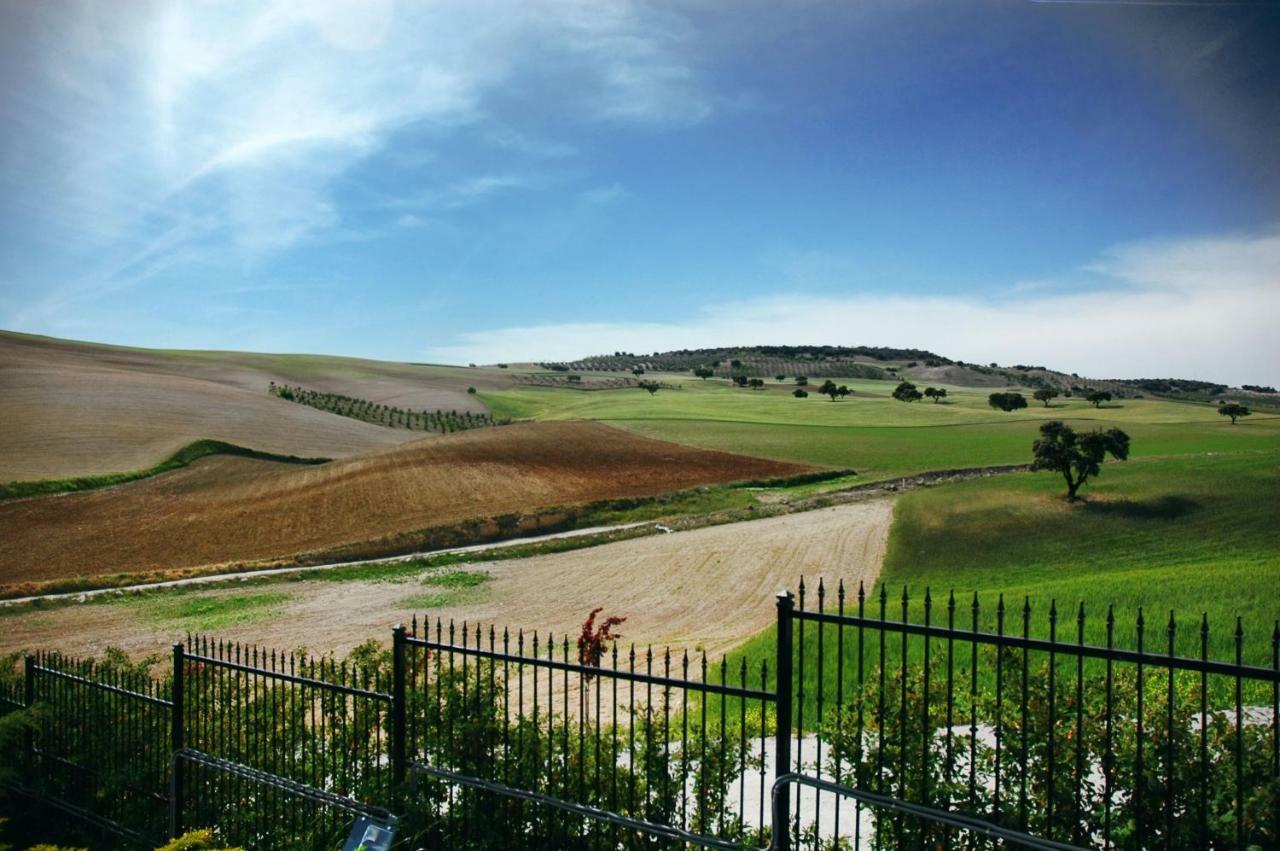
[(875, 434), (1188, 523)]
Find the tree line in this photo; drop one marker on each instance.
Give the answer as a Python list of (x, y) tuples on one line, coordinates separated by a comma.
[(389, 416)]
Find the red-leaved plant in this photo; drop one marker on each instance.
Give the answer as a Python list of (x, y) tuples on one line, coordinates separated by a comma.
[(593, 638)]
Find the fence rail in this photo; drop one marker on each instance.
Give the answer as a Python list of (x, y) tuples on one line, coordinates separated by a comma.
[(943, 726)]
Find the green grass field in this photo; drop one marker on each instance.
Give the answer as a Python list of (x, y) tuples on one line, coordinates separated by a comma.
[(1195, 535), (875, 434), (1188, 523)]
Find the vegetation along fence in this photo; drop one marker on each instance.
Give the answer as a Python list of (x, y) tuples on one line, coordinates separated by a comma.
[(871, 722)]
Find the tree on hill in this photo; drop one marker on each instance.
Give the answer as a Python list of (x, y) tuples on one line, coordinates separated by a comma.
[(756, 383), (829, 388), (740, 380), (735, 363), (1097, 397), (937, 394), (637, 371), (802, 380), (800, 394), (1007, 401), (703, 372), (1044, 394), (907, 392), (780, 377), (1076, 456), (651, 386), (1234, 410)]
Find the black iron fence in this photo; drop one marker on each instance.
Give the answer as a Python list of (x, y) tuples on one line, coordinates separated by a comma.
[(640, 747), (1028, 726), (872, 723)]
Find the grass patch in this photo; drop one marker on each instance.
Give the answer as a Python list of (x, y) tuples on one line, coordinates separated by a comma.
[(188, 454), (456, 587), (458, 579), (207, 613)]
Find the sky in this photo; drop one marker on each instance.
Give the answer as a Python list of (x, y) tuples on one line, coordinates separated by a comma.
[(1093, 186)]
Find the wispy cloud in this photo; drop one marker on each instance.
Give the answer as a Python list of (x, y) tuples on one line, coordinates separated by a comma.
[(248, 115), (1193, 308)]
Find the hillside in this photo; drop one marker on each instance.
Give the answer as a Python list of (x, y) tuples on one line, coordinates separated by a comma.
[(888, 363), (74, 409)]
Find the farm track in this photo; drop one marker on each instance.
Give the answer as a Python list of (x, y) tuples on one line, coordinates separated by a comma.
[(231, 511), (709, 588)]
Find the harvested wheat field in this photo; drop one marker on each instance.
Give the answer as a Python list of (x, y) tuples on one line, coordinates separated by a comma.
[(76, 409), (709, 588), (227, 510)]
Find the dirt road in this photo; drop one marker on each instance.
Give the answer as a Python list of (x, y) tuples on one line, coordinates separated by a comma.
[(709, 588)]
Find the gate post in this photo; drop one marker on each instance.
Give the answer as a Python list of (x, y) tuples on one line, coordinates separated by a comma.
[(29, 698), (782, 721), (177, 742), (398, 761)]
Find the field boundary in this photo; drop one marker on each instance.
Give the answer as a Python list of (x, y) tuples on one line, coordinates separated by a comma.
[(185, 456)]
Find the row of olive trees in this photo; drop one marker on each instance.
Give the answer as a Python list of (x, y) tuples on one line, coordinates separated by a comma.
[(384, 415)]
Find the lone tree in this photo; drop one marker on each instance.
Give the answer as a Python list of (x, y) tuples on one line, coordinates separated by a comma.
[(800, 394), (907, 392), (780, 377), (1097, 397), (937, 394), (1007, 401), (1233, 410), (1077, 457), (756, 383), (651, 386), (1044, 394), (829, 388), (703, 372)]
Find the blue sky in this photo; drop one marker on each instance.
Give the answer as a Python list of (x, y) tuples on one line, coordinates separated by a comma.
[(1093, 186)]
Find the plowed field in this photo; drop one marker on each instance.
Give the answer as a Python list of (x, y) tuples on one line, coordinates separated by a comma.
[(225, 510)]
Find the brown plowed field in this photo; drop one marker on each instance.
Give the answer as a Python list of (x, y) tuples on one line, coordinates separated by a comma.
[(709, 588), (226, 510), (76, 409)]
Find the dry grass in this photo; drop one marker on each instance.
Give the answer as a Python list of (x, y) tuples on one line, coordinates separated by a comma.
[(74, 409), (709, 588), (225, 510)]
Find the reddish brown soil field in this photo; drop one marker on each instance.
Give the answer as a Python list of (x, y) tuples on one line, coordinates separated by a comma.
[(234, 510), (75, 409)]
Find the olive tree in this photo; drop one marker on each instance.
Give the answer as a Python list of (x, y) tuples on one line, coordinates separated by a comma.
[(1234, 410), (907, 392), (1045, 394), (937, 394), (1007, 401), (1097, 397), (1076, 456)]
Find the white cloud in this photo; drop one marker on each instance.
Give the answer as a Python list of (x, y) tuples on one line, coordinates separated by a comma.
[(1203, 308), (249, 113)]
